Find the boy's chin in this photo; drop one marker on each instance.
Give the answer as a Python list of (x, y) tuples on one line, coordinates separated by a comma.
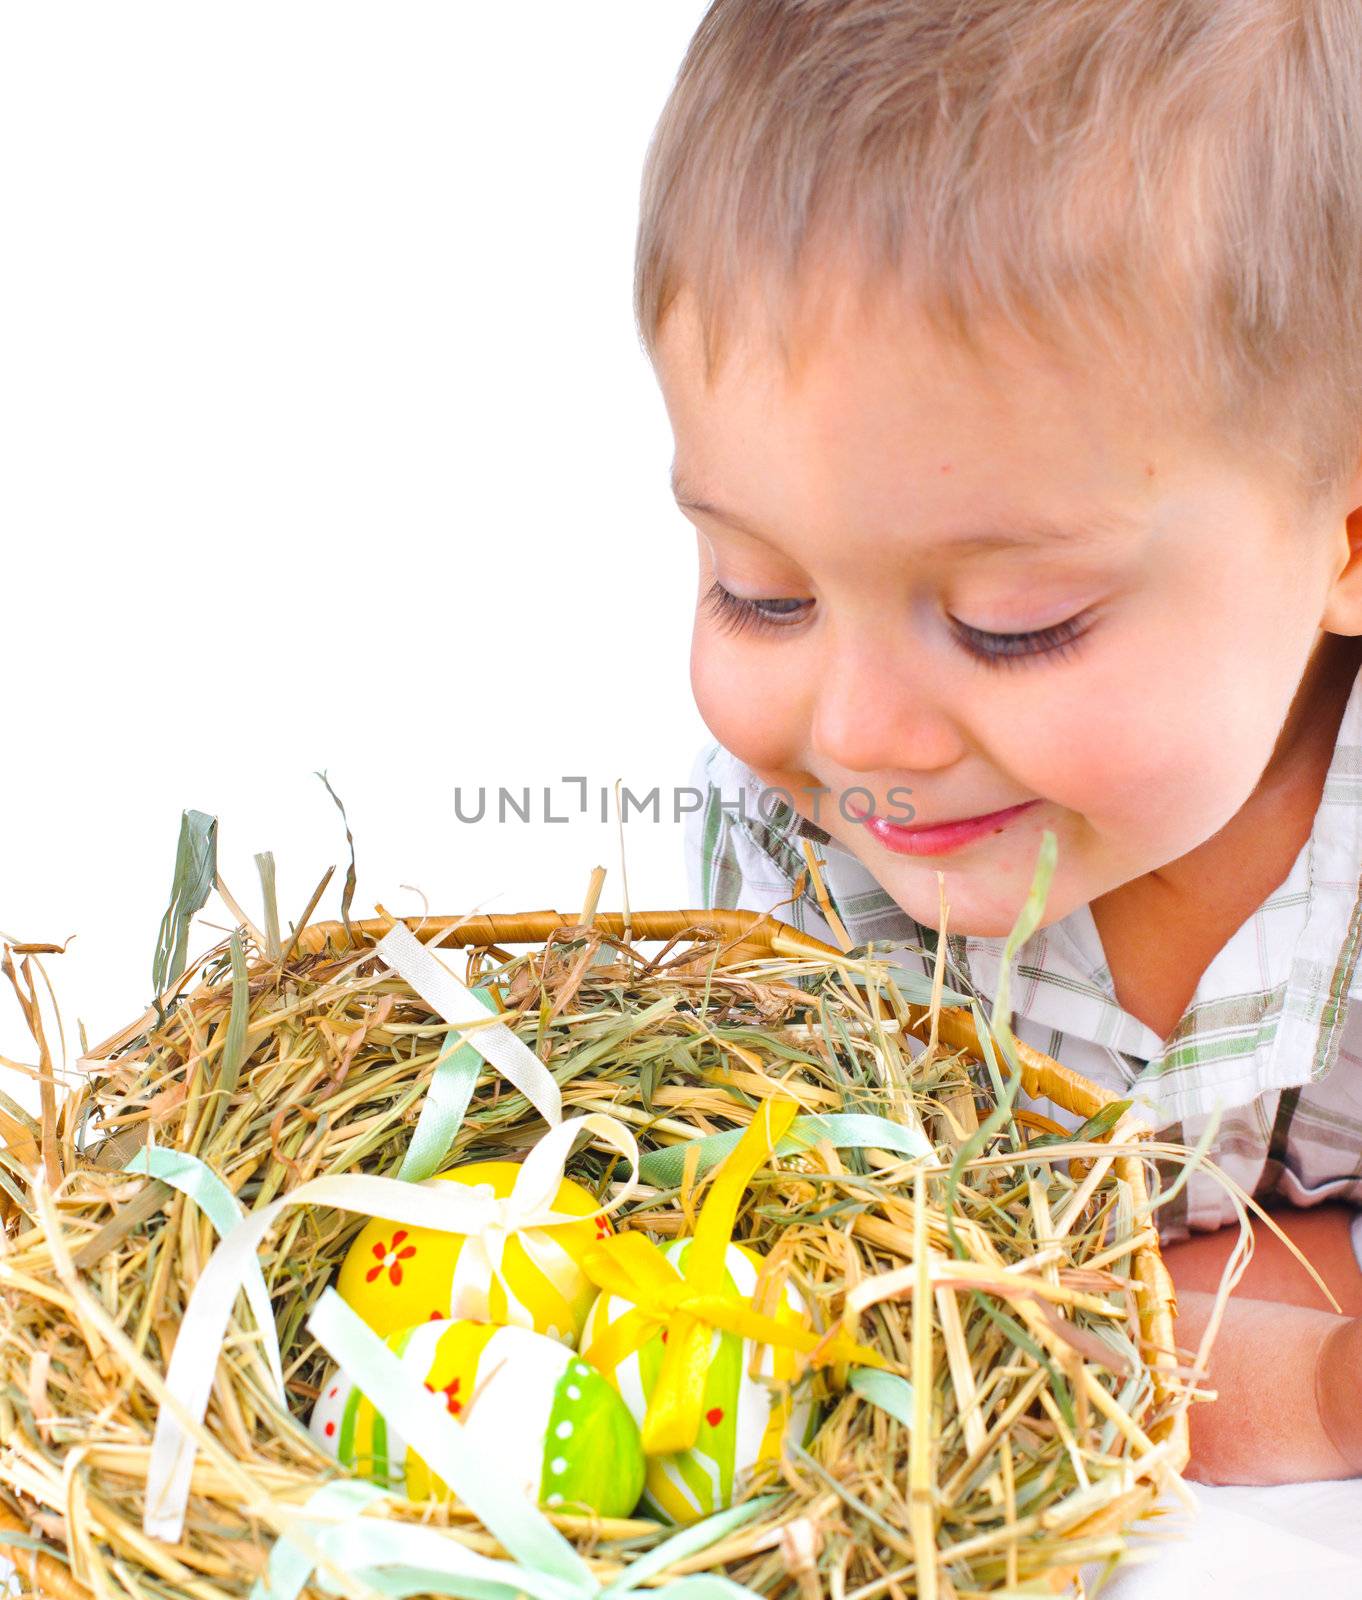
[(974, 909)]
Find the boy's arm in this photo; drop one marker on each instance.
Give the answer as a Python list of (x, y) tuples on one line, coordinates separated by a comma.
[(1289, 1386), (1323, 1234), (1287, 1369)]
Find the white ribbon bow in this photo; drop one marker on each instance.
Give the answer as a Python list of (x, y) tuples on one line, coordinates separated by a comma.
[(528, 1206)]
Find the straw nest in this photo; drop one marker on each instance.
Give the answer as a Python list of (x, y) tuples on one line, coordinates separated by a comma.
[(1013, 1283)]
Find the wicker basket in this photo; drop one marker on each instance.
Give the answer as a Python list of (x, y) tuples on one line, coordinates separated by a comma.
[(745, 936)]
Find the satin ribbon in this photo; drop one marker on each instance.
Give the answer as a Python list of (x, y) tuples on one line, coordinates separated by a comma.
[(691, 1303), (197, 1180), (449, 998), (446, 1100), (448, 1207), (844, 1130), (887, 1391), (530, 1202)]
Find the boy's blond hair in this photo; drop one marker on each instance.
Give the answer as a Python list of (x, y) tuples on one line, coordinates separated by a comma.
[(1179, 180)]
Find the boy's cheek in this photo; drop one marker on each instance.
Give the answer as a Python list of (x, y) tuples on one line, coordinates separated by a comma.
[(1105, 762), (1152, 775), (746, 707)]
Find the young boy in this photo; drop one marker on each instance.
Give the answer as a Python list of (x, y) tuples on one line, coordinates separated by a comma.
[(1013, 353)]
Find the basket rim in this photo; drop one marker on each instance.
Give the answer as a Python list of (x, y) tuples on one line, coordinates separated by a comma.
[(748, 934)]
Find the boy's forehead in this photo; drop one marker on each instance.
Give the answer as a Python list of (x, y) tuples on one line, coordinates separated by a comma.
[(884, 429), (886, 401), (842, 339)]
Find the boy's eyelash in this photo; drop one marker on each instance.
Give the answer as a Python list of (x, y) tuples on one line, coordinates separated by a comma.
[(736, 614), (1007, 649)]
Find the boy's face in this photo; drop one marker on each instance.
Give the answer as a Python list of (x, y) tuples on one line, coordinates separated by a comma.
[(1175, 596)]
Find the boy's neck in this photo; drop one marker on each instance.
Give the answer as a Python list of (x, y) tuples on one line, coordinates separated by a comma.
[(1310, 730), (1161, 931)]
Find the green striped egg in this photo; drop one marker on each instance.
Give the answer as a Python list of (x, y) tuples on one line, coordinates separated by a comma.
[(548, 1419), (744, 1420)]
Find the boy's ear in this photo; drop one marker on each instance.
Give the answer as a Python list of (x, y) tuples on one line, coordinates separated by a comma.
[(1343, 610)]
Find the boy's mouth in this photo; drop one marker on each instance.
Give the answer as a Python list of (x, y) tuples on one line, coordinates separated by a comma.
[(938, 838)]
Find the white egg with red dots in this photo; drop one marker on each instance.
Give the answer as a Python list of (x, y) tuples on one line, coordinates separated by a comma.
[(547, 1418)]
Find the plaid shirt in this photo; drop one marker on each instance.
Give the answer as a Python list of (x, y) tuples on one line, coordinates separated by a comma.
[(1269, 1040)]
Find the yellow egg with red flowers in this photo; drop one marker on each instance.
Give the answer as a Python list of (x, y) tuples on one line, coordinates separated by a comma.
[(395, 1276)]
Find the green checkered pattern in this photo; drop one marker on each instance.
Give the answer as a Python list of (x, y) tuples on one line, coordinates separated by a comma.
[(1270, 1047)]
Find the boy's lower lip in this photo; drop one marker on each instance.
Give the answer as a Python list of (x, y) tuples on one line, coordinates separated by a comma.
[(943, 836)]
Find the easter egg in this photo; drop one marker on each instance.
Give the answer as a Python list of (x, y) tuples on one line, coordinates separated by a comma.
[(743, 1420), (551, 1423), (395, 1276)]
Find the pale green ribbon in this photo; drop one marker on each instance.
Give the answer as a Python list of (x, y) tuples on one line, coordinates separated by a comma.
[(290, 1568), (405, 1559), (401, 1559), (886, 1390), (845, 1130), (447, 1095), (205, 1188)]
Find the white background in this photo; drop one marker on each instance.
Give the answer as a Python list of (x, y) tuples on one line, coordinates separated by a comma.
[(327, 442)]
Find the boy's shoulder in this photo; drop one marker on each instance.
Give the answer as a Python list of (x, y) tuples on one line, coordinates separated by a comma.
[(742, 840), (734, 793), (746, 846)]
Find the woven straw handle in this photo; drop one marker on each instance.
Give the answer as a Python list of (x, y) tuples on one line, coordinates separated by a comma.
[(749, 935), (46, 1576)]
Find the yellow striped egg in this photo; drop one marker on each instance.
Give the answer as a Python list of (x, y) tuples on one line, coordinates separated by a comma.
[(552, 1424), (744, 1420), (394, 1276)]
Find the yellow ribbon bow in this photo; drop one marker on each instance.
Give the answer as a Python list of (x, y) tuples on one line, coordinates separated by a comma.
[(691, 1303)]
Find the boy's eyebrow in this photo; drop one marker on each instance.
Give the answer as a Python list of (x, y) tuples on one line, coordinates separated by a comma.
[(1096, 527)]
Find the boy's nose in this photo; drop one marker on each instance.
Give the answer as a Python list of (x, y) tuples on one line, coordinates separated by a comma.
[(874, 717)]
